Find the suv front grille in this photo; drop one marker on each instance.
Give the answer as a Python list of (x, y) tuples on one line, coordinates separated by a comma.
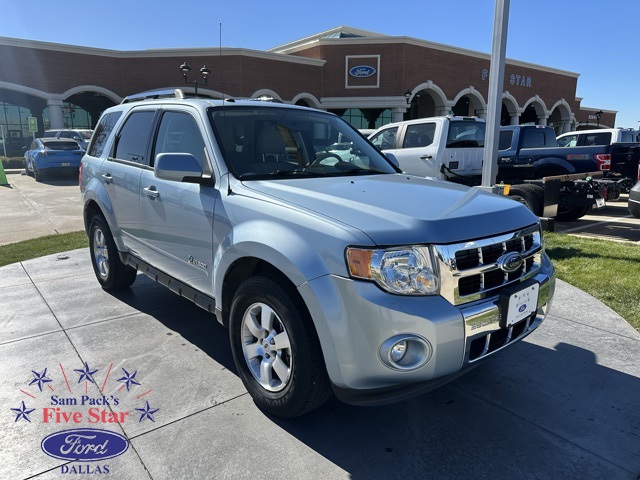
[(472, 271)]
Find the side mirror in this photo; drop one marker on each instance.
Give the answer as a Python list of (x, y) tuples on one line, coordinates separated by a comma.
[(392, 158), (179, 167)]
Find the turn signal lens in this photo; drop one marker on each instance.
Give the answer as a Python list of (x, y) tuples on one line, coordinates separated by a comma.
[(359, 262)]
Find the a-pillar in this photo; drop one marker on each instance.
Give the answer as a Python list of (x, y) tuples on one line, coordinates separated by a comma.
[(55, 114)]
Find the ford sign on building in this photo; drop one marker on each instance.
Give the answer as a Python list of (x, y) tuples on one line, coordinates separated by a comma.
[(362, 71)]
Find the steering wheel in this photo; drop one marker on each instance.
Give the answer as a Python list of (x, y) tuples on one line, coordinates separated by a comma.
[(324, 156)]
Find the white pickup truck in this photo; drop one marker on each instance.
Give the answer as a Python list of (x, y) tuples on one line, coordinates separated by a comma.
[(448, 147)]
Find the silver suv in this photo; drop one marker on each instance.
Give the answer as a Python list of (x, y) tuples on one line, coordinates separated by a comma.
[(334, 273)]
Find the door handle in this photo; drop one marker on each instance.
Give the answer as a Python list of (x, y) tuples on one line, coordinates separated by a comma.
[(151, 191), (107, 178), (425, 157)]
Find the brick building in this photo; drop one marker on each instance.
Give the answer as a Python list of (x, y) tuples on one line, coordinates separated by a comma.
[(368, 78)]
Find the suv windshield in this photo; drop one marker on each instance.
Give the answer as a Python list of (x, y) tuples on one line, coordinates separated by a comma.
[(465, 134), (261, 142)]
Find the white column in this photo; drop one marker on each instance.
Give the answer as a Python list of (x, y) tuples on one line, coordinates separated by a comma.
[(542, 120), (397, 114), (481, 112), (55, 113), (515, 119)]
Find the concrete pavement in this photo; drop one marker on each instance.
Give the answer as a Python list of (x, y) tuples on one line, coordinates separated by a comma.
[(562, 403), (29, 209)]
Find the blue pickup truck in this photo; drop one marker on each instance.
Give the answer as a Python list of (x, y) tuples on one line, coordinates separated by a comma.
[(582, 175), (528, 152)]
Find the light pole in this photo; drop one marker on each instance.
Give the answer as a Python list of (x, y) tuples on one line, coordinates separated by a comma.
[(204, 71), (599, 116)]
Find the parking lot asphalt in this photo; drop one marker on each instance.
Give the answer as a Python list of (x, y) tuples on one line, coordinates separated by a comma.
[(563, 403)]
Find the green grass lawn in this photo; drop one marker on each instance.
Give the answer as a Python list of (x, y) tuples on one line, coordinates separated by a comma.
[(38, 247), (610, 271)]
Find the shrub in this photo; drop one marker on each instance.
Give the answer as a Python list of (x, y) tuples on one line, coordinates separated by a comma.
[(12, 162)]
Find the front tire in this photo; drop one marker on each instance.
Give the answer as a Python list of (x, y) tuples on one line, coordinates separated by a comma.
[(109, 269), (276, 350)]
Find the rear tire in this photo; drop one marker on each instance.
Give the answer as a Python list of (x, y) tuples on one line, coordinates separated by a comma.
[(568, 214), (109, 269), (276, 349), (532, 196), (37, 174)]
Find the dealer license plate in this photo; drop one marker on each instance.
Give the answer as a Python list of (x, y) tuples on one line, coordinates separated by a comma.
[(600, 203), (65, 164), (521, 304)]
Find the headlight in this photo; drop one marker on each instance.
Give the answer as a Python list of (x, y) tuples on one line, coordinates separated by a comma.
[(406, 271)]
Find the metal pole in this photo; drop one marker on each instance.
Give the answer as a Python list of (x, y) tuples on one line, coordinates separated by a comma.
[(494, 101), (4, 143)]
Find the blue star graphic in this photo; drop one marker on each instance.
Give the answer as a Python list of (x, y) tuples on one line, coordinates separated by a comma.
[(40, 378), (129, 379), (23, 412), (86, 373), (146, 412)]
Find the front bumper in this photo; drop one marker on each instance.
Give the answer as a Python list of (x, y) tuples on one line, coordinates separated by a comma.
[(354, 319)]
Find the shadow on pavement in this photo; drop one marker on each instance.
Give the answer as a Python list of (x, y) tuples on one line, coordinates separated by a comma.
[(524, 413)]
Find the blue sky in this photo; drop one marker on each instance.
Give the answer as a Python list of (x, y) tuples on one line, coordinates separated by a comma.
[(597, 39)]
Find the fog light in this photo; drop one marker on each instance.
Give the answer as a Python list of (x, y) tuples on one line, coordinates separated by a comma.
[(398, 351), (405, 352)]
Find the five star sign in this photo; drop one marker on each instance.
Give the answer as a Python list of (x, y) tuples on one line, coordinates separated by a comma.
[(147, 412), (40, 378), (23, 412), (85, 373), (129, 379)]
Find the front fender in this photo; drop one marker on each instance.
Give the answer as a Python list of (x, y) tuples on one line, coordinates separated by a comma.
[(286, 248)]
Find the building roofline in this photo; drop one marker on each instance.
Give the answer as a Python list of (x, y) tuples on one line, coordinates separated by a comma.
[(372, 38), (164, 52)]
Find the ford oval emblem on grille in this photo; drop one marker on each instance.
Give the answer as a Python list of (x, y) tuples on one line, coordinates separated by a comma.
[(510, 262), (362, 71)]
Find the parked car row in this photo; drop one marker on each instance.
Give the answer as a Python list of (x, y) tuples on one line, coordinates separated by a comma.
[(52, 155), (58, 151)]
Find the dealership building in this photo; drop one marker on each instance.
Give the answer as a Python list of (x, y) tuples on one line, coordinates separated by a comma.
[(368, 78)]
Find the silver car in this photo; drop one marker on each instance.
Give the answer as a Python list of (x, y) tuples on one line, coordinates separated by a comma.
[(333, 274)]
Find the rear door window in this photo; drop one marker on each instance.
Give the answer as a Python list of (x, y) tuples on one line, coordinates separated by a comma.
[(419, 135), (133, 139)]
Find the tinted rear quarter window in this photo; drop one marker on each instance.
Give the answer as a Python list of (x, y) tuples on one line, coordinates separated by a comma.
[(103, 130), (506, 137), (533, 138)]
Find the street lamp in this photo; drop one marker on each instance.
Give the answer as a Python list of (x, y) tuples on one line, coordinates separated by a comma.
[(204, 72), (599, 116)]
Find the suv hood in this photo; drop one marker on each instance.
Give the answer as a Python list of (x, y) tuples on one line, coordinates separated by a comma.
[(402, 209)]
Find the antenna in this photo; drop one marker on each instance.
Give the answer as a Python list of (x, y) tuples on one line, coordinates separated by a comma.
[(220, 58)]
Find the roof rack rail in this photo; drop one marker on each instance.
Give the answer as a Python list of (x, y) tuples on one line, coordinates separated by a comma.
[(153, 94)]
